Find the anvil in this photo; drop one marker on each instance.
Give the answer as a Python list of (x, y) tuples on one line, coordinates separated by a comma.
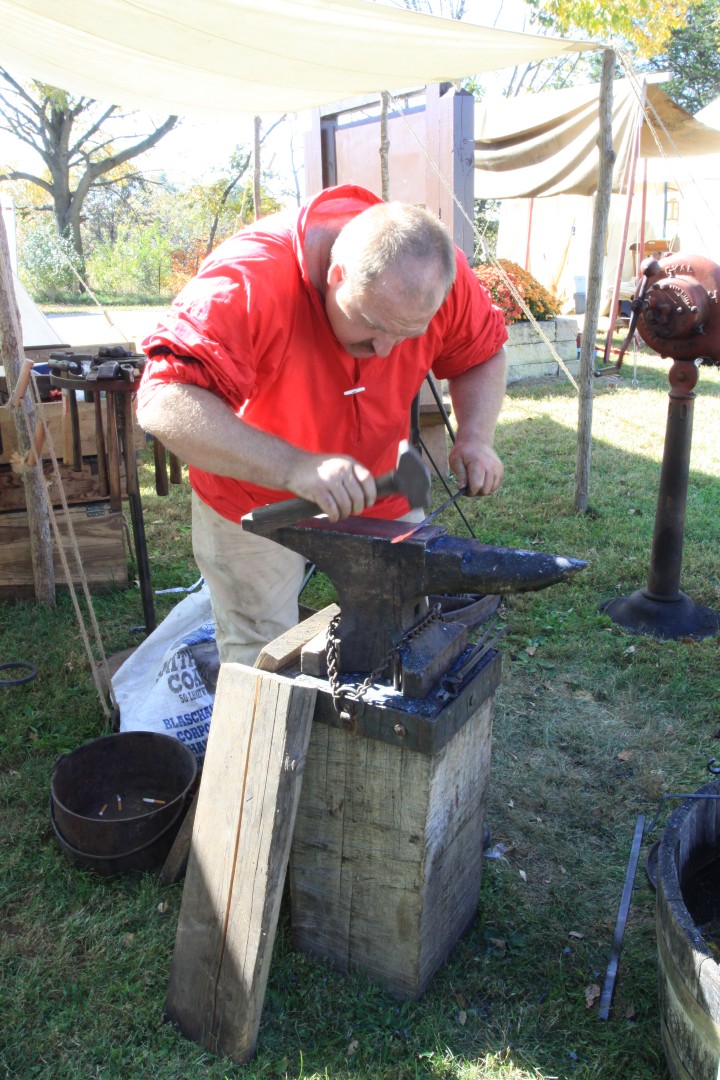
[(383, 586)]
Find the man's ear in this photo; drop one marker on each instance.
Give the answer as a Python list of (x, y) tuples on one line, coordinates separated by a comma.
[(336, 274)]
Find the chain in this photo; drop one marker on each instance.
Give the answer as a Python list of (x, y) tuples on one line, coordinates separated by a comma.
[(345, 698)]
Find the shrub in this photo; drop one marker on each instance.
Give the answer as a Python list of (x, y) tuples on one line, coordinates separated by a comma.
[(542, 304), (45, 262)]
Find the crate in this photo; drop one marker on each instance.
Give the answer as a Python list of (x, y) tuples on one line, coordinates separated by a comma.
[(58, 418), (100, 536)]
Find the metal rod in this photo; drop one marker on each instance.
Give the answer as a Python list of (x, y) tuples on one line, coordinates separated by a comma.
[(440, 476), (611, 973), (440, 404)]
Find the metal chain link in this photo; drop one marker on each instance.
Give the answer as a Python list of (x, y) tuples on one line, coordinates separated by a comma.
[(345, 698)]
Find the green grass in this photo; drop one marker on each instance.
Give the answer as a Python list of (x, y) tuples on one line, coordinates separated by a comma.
[(592, 727)]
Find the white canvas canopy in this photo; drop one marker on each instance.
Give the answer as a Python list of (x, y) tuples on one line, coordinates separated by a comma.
[(546, 144), (539, 154), (251, 56)]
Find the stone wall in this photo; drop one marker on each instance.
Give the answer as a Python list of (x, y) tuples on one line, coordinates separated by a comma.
[(529, 356)]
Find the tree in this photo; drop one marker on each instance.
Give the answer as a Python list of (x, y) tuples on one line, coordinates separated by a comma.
[(645, 24), (76, 139), (693, 56)]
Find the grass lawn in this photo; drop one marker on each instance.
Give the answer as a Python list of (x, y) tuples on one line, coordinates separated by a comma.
[(593, 725)]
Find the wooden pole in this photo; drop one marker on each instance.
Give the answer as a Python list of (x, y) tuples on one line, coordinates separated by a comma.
[(384, 146), (11, 354), (626, 230), (257, 188), (594, 289)]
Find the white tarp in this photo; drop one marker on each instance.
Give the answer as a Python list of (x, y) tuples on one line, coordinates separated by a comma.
[(251, 56), (546, 144)]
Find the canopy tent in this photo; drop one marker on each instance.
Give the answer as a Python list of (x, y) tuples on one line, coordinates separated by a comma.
[(539, 154), (250, 56), (546, 144)]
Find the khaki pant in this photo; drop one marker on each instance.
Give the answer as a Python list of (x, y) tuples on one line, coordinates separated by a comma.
[(254, 583)]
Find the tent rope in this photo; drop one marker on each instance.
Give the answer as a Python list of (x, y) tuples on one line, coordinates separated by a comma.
[(480, 242)]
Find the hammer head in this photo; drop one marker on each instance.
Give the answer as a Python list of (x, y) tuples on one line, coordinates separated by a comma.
[(411, 477)]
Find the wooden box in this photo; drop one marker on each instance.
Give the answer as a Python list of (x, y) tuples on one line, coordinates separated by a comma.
[(100, 538), (58, 417), (386, 860)]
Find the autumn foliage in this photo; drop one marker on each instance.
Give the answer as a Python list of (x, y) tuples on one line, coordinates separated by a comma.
[(541, 303)]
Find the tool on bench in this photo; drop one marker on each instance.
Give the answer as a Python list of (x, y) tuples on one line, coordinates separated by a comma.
[(115, 373), (410, 478)]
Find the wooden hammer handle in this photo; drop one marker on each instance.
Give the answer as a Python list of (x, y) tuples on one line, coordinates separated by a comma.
[(278, 515)]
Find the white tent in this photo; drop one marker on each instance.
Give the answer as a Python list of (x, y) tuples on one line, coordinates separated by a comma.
[(539, 154), (250, 56)]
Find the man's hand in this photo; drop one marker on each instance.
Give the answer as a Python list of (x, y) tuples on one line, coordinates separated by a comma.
[(477, 396), (476, 466), (339, 485)]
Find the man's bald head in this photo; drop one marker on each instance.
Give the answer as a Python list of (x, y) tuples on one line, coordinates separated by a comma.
[(406, 242)]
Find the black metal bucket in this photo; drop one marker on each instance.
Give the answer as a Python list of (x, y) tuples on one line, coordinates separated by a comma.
[(118, 793), (139, 861)]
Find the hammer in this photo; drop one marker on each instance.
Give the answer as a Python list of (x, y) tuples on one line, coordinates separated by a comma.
[(410, 478)]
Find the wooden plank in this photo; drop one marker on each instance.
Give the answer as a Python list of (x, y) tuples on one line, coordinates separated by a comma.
[(286, 649), (241, 839), (101, 542), (175, 865), (58, 418), (278, 654)]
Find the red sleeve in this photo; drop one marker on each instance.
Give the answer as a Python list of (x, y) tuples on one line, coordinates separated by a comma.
[(226, 322), (474, 328)]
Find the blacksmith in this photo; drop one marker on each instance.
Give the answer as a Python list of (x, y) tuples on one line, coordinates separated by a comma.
[(287, 367)]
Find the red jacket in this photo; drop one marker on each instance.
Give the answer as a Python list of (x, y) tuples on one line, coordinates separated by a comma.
[(252, 328)]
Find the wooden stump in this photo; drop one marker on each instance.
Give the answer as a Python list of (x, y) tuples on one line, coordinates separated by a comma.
[(386, 860)]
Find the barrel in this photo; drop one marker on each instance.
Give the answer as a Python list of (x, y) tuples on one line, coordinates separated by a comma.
[(689, 975)]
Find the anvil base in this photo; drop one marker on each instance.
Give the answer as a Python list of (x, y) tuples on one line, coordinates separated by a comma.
[(386, 859)]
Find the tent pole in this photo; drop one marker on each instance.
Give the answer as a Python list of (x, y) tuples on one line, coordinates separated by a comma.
[(626, 228), (641, 238), (529, 236), (594, 282)]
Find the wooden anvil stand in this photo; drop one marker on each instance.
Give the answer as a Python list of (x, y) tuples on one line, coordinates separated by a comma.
[(377, 809)]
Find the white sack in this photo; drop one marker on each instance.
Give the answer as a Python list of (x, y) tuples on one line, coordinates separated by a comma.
[(159, 688)]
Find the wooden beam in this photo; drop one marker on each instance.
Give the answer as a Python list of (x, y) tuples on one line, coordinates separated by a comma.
[(11, 355), (240, 846), (286, 649)]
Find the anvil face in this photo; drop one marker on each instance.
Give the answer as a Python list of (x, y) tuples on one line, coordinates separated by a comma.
[(383, 586)]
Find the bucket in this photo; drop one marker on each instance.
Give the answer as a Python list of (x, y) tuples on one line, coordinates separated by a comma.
[(689, 975), (147, 857), (117, 793)]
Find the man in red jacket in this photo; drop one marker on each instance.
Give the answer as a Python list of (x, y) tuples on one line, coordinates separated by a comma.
[(288, 367)]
